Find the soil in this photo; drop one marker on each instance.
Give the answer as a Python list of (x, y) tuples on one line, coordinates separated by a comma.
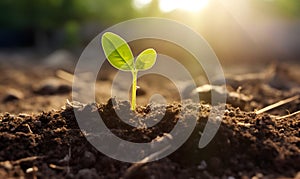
[(40, 137)]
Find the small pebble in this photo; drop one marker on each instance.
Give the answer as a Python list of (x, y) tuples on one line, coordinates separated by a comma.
[(13, 95), (297, 175), (140, 92), (31, 170), (258, 176), (38, 123), (202, 165), (52, 86), (7, 165), (58, 59), (23, 115)]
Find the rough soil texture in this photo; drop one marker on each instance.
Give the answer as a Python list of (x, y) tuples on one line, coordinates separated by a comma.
[(49, 144)]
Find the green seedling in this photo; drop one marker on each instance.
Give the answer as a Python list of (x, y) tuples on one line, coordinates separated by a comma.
[(120, 56)]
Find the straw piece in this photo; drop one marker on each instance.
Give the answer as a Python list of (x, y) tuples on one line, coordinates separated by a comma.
[(275, 105), (289, 115)]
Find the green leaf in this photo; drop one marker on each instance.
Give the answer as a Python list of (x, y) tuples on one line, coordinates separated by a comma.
[(117, 51), (146, 59)]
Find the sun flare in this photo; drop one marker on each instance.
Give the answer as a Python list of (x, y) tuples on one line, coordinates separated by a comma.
[(139, 4), (186, 5), (171, 5)]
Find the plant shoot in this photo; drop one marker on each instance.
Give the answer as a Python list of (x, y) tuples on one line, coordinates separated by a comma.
[(120, 56)]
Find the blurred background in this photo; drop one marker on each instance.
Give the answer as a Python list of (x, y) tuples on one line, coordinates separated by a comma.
[(246, 31), (41, 41)]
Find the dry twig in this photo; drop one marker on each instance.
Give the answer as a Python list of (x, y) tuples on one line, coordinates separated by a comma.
[(289, 115), (275, 105)]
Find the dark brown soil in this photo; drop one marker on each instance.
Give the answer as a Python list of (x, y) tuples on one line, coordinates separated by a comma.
[(49, 144)]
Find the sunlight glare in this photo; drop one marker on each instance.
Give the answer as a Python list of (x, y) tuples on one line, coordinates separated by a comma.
[(139, 4), (186, 5)]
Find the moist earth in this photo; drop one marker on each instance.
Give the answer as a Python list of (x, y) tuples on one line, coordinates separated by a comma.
[(40, 142)]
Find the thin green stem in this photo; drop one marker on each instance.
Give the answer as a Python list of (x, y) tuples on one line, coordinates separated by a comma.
[(133, 91)]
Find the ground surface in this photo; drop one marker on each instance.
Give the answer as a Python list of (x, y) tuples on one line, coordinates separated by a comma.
[(40, 137)]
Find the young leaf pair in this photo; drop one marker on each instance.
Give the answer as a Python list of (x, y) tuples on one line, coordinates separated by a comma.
[(120, 56)]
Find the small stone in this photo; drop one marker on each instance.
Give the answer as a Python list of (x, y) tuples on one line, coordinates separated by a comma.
[(23, 115), (140, 92), (206, 90), (59, 58), (32, 169), (87, 174), (297, 175), (52, 86), (258, 176), (38, 123), (7, 165), (202, 165), (12, 95)]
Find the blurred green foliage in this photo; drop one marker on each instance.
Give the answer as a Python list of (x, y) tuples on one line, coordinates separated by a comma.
[(49, 14), (49, 19), (289, 7), (283, 8)]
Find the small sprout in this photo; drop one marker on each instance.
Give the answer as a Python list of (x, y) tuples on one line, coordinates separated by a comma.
[(119, 55)]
